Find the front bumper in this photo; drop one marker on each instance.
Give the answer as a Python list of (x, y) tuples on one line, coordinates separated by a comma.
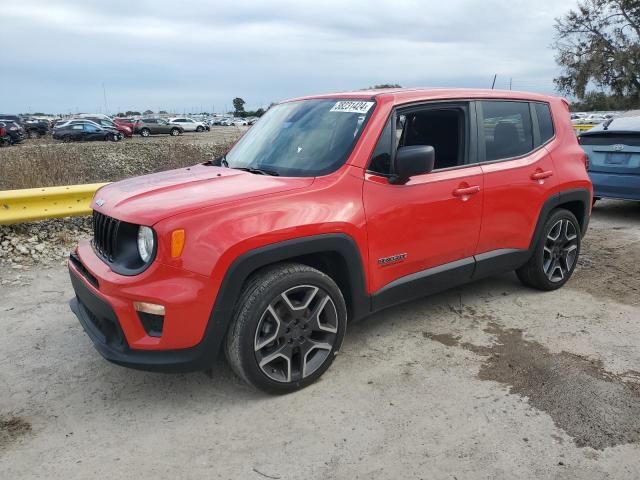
[(103, 304)]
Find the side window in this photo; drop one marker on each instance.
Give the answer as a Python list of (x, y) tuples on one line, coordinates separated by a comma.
[(76, 127), (90, 128), (507, 129), (545, 122), (444, 128)]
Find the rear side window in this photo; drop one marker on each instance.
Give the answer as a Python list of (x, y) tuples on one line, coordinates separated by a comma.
[(545, 123), (507, 129)]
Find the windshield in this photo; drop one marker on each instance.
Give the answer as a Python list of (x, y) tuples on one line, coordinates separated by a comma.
[(303, 138)]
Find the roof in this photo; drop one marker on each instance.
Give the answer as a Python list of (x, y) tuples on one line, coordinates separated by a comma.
[(407, 95)]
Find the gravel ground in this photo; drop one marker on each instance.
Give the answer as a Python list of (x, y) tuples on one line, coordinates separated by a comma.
[(490, 380)]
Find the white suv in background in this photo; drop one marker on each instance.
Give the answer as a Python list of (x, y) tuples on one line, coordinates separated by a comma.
[(189, 124)]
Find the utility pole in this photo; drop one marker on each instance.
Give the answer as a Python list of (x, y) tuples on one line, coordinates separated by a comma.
[(494, 81), (510, 83), (104, 93)]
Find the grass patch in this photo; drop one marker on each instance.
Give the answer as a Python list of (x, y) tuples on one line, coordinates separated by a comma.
[(53, 164)]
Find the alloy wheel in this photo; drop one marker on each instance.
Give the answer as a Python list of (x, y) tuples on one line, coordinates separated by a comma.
[(296, 333), (560, 250)]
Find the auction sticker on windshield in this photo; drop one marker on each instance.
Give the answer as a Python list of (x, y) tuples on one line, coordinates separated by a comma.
[(351, 106)]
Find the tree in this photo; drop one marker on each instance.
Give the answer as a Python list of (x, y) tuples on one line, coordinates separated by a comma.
[(238, 105), (600, 101), (599, 44), (385, 85), (130, 113), (163, 112), (148, 112)]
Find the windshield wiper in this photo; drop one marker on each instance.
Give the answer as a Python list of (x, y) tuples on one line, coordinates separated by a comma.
[(257, 171)]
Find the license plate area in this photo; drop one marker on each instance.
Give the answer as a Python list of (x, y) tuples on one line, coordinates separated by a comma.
[(618, 159)]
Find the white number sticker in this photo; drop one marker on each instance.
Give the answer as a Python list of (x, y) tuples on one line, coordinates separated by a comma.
[(351, 106)]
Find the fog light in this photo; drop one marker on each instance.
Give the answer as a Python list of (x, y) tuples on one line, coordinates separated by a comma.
[(151, 316), (151, 308)]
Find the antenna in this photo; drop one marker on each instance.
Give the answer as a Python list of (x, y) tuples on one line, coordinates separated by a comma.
[(510, 83), (494, 81)]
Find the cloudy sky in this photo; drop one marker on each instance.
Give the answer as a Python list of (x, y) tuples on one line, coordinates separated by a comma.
[(188, 56)]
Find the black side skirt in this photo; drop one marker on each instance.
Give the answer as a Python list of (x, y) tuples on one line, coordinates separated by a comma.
[(443, 277)]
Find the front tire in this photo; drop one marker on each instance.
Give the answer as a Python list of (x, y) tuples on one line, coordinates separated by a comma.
[(199, 129), (555, 254), (288, 326), (145, 132), (175, 132)]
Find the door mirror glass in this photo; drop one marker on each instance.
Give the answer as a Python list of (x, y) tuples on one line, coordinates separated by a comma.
[(413, 160)]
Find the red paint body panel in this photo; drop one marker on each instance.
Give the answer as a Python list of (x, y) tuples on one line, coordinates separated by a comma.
[(227, 213), (425, 221)]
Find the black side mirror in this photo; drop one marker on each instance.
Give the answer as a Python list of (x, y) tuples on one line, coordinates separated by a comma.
[(413, 160)]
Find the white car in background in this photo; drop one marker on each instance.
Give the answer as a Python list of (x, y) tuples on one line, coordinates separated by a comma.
[(189, 124), (239, 122)]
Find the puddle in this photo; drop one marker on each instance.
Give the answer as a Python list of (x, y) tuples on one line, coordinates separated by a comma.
[(11, 428), (597, 408)]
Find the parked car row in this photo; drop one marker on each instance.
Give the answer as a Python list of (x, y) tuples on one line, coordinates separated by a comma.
[(229, 121), (90, 127)]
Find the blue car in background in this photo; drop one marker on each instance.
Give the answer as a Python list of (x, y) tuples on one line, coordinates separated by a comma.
[(613, 148)]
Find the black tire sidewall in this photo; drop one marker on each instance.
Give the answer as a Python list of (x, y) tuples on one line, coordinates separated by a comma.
[(174, 132), (249, 314), (538, 257)]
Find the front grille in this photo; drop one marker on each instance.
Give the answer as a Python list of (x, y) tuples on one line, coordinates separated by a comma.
[(105, 235)]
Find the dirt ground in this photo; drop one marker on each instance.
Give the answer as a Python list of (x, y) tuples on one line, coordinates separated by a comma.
[(490, 380)]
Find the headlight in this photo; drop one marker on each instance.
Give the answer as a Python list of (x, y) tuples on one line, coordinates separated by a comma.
[(146, 243)]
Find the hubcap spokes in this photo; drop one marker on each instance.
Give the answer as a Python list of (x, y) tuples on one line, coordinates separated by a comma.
[(560, 250), (296, 333)]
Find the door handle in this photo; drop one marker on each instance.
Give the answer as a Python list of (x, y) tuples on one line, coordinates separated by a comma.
[(541, 175), (466, 191)]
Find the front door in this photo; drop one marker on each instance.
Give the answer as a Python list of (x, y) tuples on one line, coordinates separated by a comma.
[(429, 225)]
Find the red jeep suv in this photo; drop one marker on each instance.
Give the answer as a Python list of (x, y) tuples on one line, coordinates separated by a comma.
[(330, 208)]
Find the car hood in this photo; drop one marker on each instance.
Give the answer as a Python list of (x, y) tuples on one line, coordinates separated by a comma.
[(148, 199)]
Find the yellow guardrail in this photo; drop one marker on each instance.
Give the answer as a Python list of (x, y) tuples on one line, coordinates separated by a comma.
[(17, 206), (583, 128)]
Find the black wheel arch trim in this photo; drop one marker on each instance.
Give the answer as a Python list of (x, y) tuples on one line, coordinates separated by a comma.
[(249, 262), (581, 195)]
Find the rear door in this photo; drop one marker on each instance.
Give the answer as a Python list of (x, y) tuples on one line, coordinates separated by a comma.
[(518, 171), (434, 219), (92, 132)]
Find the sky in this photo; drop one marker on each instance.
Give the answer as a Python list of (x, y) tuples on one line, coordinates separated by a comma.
[(68, 56)]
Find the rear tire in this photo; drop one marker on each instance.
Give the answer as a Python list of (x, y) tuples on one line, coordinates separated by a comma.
[(555, 254), (288, 325), (175, 132), (34, 134)]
